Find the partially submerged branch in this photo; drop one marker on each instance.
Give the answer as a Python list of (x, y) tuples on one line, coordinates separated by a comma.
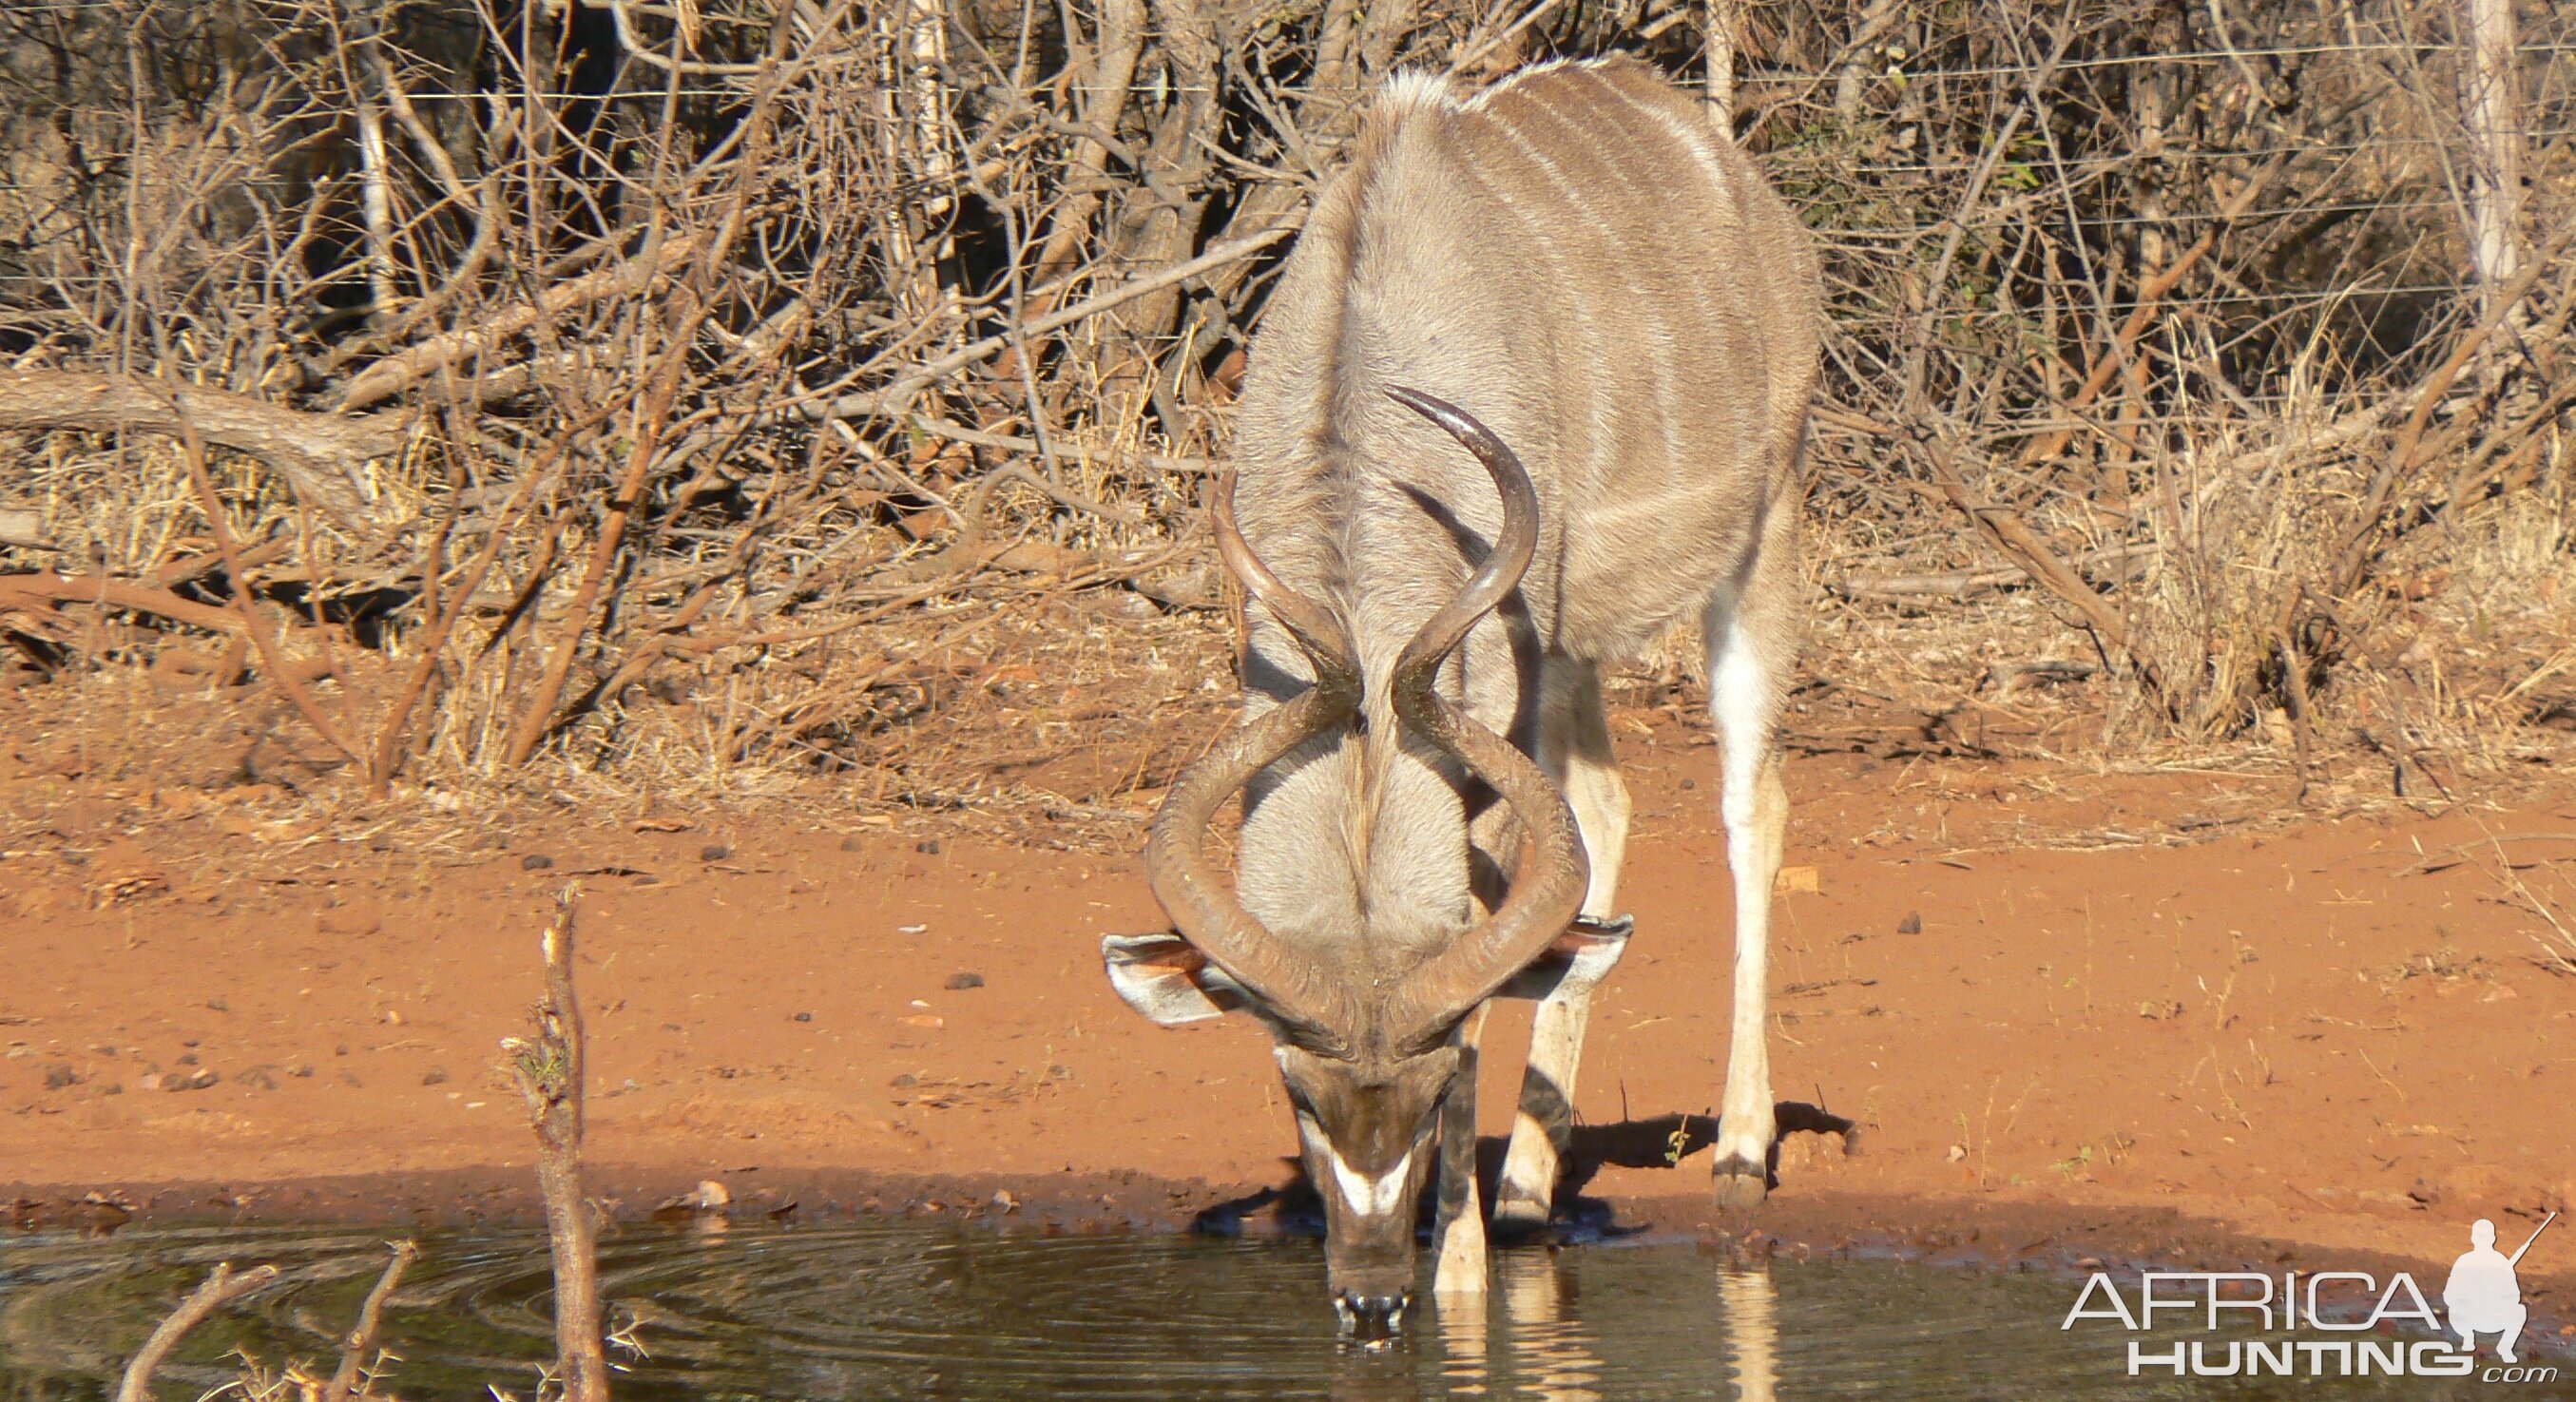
[(548, 1069), (220, 1288), (360, 1343)]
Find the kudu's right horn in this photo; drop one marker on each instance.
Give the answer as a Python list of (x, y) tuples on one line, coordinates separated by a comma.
[(1202, 902)]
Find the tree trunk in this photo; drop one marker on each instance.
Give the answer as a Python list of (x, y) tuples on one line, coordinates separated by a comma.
[(2491, 111)]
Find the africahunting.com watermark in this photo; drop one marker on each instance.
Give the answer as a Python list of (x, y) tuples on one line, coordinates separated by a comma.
[(2320, 1313)]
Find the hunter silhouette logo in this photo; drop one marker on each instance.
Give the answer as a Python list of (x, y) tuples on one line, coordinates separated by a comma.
[(2483, 1295)]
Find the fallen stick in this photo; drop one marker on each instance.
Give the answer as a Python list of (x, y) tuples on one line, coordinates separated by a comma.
[(1965, 584), (319, 455), (1013, 443), (412, 364), (220, 1288), (32, 590), (24, 530)]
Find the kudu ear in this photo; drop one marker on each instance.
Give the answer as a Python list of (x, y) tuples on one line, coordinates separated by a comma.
[(1165, 977), (1576, 961)]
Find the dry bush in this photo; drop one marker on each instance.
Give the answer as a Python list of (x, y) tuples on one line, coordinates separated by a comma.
[(698, 398)]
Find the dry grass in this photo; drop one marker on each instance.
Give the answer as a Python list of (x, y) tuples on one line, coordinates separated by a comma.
[(887, 502)]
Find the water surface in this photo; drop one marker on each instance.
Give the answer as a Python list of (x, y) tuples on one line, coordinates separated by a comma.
[(910, 1310)]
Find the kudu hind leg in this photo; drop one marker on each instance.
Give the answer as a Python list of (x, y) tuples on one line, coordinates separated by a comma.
[(1574, 749), (1747, 676)]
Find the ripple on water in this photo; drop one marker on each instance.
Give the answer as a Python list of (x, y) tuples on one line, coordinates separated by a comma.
[(910, 1310)]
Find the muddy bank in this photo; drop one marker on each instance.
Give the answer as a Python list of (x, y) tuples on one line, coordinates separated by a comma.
[(2071, 1016)]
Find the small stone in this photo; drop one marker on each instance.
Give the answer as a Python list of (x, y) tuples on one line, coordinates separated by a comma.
[(964, 980), (1690, 783), (930, 847), (60, 1077), (535, 861), (1004, 1202), (1060, 1073), (1958, 1153), (714, 852), (709, 1196), (219, 1005), (299, 1070), (1912, 924), (804, 1017), (850, 844), (905, 1079), (188, 1058), (435, 1076)]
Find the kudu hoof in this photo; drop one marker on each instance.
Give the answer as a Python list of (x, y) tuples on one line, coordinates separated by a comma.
[(1741, 1185), (1518, 1214)]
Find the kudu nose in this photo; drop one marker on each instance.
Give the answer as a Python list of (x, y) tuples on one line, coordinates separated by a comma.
[(1371, 1319)]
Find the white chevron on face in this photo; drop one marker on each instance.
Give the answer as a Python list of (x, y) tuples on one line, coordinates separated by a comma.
[(1369, 1196)]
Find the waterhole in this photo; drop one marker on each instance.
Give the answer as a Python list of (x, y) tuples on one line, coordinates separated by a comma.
[(908, 1310)]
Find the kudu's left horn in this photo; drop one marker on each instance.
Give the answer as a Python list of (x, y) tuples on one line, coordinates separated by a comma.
[(1548, 885)]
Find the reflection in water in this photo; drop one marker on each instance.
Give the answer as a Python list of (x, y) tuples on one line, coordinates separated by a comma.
[(896, 1311), (1462, 1344), (1549, 1355), (1550, 1350), (1752, 1329)]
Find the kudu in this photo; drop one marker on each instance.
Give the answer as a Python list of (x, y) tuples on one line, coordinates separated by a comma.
[(1582, 282)]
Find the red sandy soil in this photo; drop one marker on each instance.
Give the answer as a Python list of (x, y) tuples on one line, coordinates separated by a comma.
[(2150, 1011)]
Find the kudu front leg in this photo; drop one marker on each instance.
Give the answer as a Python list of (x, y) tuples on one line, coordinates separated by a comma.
[(1458, 1226), (1574, 748)]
